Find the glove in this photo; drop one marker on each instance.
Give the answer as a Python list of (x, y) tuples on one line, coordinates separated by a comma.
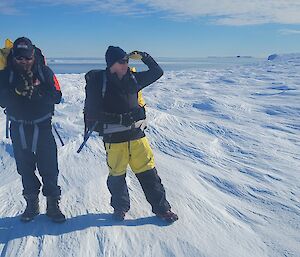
[(25, 88), (29, 89), (137, 55), (127, 119), (137, 114), (35, 94)]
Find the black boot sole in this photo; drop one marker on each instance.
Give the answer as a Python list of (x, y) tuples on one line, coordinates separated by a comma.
[(168, 220), (58, 221), (28, 219), (53, 219), (118, 218)]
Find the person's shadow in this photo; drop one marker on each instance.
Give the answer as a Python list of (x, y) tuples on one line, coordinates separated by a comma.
[(12, 228)]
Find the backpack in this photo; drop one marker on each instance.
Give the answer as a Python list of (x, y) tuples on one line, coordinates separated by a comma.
[(93, 105)]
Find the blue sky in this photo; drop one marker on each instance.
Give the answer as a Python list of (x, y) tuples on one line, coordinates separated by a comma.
[(165, 28)]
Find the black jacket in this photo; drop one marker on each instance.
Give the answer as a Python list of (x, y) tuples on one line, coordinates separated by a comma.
[(21, 107), (121, 96)]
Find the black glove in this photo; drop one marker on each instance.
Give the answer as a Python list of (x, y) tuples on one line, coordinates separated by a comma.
[(35, 94), (127, 119), (25, 87), (138, 55), (137, 114)]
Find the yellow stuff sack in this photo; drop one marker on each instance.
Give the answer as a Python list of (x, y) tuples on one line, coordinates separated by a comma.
[(4, 53), (141, 100)]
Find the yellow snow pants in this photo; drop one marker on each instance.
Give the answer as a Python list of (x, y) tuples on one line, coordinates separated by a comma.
[(137, 153)]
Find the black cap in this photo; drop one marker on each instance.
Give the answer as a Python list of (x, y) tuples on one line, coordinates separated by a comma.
[(114, 54), (23, 47)]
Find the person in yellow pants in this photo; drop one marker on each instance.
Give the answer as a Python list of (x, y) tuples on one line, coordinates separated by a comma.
[(125, 141)]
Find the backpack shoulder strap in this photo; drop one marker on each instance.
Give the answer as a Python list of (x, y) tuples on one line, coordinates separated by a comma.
[(40, 72), (11, 77), (133, 77), (93, 75), (40, 58), (97, 79), (104, 84), (40, 61)]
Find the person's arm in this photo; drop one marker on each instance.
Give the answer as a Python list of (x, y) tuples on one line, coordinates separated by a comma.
[(145, 78), (7, 94)]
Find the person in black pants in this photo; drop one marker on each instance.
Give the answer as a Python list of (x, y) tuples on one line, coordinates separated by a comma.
[(28, 91)]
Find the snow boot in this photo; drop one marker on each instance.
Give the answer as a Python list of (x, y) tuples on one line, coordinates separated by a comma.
[(168, 216), (53, 210), (32, 208), (119, 215)]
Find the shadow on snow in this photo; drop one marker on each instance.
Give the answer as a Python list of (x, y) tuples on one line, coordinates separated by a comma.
[(12, 228)]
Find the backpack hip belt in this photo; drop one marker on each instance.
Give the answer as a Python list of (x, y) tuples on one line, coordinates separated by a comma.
[(114, 128), (116, 118), (22, 132)]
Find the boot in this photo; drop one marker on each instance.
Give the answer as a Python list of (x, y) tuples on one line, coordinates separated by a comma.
[(119, 215), (168, 216), (53, 210), (32, 208)]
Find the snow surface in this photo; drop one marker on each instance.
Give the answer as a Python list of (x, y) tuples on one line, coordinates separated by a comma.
[(227, 145)]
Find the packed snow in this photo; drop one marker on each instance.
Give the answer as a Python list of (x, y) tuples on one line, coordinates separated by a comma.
[(226, 142)]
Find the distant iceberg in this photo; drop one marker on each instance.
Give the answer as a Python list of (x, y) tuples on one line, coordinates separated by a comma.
[(272, 57), (78, 60), (295, 57)]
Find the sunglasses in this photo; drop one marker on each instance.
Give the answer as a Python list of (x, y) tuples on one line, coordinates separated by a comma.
[(22, 58), (123, 61)]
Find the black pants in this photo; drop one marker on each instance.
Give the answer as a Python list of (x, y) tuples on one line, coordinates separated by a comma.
[(151, 185), (45, 159)]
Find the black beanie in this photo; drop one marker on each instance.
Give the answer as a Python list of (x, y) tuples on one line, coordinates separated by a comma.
[(114, 54)]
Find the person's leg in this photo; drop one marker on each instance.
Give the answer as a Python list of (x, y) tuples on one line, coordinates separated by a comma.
[(154, 190), (26, 165), (117, 162), (25, 161), (142, 164), (48, 169), (47, 161)]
